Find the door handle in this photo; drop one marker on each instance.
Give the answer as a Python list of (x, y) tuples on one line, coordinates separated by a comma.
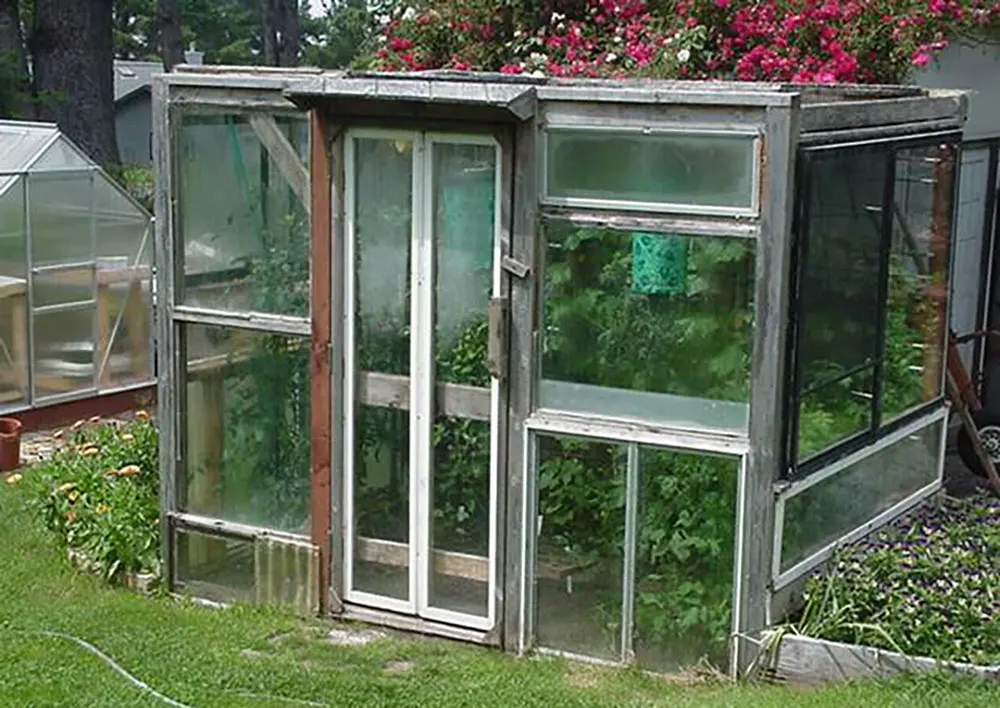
[(496, 352)]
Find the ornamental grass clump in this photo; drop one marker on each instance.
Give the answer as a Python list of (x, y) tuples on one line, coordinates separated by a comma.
[(99, 493), (928, 585)]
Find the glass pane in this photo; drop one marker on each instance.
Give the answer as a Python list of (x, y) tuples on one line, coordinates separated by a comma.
[(651, 313), (247, 439), (692, 170), (839, 278), (464, 226), (834, 412), (64, 350), (578, 570), (974, 189), (839, 504), (382, 226), (460, 516), (214, 568), (382, 502), (13, 303), (245, 229), (918, 279), (63, 286), (61, 217), (686, 531), (124, 321)]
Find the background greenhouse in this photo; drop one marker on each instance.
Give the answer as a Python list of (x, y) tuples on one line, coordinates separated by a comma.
[(75, 274), (597, 369)]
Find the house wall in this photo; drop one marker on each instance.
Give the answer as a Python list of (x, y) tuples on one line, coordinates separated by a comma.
[(975, 68), (134, 129)]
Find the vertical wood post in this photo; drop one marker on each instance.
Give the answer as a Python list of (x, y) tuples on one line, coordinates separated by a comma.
[(320, 364)]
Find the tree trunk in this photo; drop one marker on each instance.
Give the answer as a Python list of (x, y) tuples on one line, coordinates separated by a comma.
[(73, 55), (269, 31), (291, 33), (171, 41), (12, 54)]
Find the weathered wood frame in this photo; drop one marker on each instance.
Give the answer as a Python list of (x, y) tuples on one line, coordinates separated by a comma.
[(510, 109)]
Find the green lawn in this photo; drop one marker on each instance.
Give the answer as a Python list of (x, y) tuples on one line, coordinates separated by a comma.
[(206, 658)]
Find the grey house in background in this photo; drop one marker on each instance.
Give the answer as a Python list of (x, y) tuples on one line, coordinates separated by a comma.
[(133, 107), (975, 295)]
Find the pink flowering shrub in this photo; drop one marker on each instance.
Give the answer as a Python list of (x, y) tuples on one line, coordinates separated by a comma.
[(805, 41)]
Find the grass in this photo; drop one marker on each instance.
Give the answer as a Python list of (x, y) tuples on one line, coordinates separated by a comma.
[(216, 658)]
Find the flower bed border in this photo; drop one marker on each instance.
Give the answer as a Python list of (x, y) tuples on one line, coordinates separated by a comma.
[(143, 583), (807, 660)]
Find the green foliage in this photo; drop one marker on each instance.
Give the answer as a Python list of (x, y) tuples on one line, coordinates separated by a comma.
[(137, 180), (927, 586), (15, 92), (99, 493)]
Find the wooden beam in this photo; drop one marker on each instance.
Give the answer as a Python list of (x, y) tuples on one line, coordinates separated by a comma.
[(397, 555), (320, 365), (287, 160)]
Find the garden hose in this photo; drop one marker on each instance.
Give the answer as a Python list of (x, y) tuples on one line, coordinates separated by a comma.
[(146, 687), (110, 662)]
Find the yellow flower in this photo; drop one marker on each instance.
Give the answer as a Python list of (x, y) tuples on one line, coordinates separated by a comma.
[(74, 495), (90, 451), (65, 487), (56, 435), (127, 437), (103, 508), (14, 478)]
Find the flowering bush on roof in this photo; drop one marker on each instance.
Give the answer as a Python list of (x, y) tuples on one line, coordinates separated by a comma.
[(802, 41)]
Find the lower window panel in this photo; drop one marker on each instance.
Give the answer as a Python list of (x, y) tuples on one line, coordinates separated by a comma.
[(635, 552), (829, 510)]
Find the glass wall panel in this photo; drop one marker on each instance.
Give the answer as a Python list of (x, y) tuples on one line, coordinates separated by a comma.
[(213, 568), (13, 303), (244, 228), (61, 287), (838, 289), (578, 570), (708, 171), (686, 530), (61, 217), (918, 278), (382, 227), (632, 315), (464, 203), (247, 440), (850, 498), (381, 560), (835, 411), (64, 350)]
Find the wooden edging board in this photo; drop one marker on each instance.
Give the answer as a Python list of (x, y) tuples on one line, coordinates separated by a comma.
[(805, 660)]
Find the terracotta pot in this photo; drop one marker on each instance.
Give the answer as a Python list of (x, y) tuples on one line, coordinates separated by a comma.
[(10, 444)]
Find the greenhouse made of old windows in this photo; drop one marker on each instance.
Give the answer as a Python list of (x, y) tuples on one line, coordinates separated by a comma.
[(75, 275), (595, 368)]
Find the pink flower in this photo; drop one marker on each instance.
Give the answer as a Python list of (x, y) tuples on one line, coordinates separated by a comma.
[(921, 59)]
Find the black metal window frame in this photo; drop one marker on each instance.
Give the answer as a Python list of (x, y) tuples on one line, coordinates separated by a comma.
[(792, 467)]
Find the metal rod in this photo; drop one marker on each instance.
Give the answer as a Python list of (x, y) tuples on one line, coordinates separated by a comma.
[(65, 307), (294, 326), (29, 297), (631, 539)]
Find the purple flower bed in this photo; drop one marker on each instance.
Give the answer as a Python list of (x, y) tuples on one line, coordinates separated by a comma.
[(928, 585)]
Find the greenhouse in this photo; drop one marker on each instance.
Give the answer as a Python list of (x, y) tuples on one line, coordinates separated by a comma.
[(75, 275), (599, 369)]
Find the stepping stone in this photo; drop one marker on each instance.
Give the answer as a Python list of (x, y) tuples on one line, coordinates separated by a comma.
[(347, 638)]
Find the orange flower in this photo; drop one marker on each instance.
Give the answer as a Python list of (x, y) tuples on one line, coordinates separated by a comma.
[(56, 435), (77, 425), (142, 415), (70, 516), (129, 471), (90, 451), (103, 508), (94, 419)]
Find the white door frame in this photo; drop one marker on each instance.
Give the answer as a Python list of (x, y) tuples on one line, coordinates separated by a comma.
[(421, 380)]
